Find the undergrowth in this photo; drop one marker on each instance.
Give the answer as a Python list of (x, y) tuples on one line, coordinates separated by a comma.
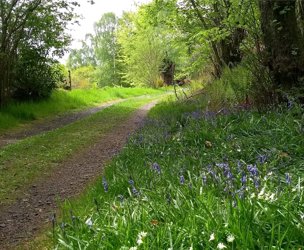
[(195, 179)]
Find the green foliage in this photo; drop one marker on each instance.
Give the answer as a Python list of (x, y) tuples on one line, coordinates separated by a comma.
[(35, 76), (99, 53), (62, 101), (31, 30), (84, 77), (232, 88), (106, 50), (179, 184), (143, 56)]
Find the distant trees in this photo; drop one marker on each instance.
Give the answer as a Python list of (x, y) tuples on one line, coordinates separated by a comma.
[(100, 50)]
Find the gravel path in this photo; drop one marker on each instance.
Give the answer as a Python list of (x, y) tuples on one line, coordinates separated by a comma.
[(20, 221), (48, 125)]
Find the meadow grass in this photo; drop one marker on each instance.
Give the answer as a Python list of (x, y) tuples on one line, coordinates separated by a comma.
[(191, 179), (63, 101), (22, 162)]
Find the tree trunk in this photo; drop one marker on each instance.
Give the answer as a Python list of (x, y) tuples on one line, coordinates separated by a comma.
[(168, 72), (283, 40), (4, 79), (230, 48)]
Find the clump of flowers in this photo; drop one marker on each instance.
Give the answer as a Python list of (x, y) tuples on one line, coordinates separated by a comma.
[(141, 237)]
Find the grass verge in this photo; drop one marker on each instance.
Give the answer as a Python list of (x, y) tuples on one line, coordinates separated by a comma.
[(197, 180), (24, 161), (62, 101)]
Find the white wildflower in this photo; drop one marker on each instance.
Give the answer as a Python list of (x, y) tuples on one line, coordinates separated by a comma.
[(230, 238), (212, 237), (272, 197), (221, 246), (142, 234), (139, 241), (261, 194), (252, 196), (140, 237), (89, 222)]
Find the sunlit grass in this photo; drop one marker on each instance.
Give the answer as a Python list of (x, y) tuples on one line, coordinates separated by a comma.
[(196, 180), (63, 101)]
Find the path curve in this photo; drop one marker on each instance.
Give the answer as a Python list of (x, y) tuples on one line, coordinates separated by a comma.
[(23, 219), (51, 124)]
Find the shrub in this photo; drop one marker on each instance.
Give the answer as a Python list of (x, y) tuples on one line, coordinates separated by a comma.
[(35, 76)]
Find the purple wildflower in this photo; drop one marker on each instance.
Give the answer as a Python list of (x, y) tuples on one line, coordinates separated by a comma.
[(204, 178), (253, 170), (105, 184), (131, 182), (256, 183), (156, 167), (182, 180), (240, 166), (262, 159), (287, 178), (243, 178), (135, 192), (241, 192), (222, 165), (228, 173)]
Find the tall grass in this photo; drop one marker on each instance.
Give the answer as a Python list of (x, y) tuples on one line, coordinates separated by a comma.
[(62, 101), (230, 89), (196, 180)]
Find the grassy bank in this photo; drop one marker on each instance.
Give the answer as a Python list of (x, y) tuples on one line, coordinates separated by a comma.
[(26, 160), (63, 101), (192, 179)]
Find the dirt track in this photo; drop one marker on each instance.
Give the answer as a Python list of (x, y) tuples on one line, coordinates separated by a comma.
[(20, 221), (58, 122)]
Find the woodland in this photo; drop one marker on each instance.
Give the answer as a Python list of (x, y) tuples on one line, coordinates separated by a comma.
[(178, 125)]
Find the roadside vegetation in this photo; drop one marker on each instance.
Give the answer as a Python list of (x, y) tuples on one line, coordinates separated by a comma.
[(62, 101), (192, 179), (24, 161)]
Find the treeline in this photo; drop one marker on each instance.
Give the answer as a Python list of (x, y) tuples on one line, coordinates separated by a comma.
[(168, 41), (163, 42)]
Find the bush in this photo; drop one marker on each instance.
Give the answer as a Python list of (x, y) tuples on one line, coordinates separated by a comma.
[(35, 76)]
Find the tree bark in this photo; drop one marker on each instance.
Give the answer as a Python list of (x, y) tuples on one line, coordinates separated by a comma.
[(283, 40)]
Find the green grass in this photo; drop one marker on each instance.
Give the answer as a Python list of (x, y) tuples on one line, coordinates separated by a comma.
[(199, 192), (24, 161), (62, 101)]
